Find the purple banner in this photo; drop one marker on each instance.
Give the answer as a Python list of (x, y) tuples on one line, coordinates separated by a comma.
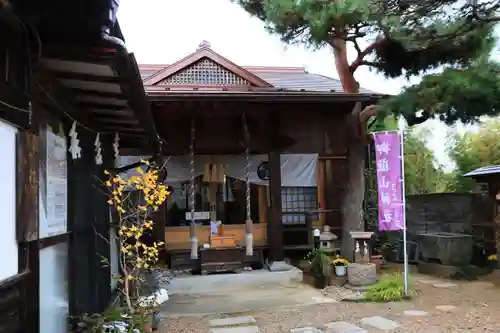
[(389, 180)]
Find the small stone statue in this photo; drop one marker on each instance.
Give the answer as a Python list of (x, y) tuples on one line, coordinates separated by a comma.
[(361, 251)]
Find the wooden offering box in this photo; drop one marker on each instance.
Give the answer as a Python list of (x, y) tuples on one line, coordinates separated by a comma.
[(223, 259), (222, 241)]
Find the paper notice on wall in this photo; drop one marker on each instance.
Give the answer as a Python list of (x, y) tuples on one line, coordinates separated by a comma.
[(53, 212)]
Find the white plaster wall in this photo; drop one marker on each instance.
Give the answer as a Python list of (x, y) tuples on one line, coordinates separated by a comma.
[(8, 242), (54, 301)]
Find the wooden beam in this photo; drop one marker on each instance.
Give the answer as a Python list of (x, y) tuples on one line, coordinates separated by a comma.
[(88, 77), (93, 105), (95, 93), (50, 92)]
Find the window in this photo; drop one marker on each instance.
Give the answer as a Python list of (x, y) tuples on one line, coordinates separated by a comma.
[(8, 241), (296, 201)]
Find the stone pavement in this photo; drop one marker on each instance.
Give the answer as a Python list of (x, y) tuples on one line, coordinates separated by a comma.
[(248, 324), (368, 322)]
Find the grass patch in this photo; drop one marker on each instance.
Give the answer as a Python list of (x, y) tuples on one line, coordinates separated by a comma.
[(389, 288)]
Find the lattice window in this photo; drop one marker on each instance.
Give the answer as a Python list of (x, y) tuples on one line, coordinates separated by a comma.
[(298, 200), (205, 72)]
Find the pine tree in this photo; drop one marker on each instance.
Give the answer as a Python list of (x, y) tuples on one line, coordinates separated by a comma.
[(405, 38)]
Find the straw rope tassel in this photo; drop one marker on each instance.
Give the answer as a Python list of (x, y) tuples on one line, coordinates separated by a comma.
[(248, 222), (192, 197)]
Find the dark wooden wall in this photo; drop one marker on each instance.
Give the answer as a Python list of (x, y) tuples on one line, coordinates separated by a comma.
[(88, 231), (88, 220), (325, 134)]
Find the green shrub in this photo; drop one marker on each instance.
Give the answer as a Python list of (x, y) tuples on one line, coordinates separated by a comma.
[(319, 260), (389, 288)]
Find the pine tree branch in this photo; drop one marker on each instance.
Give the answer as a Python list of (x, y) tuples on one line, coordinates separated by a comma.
[(361, 55)]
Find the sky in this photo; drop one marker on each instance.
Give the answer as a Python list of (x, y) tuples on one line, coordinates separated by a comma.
[(164, 31)]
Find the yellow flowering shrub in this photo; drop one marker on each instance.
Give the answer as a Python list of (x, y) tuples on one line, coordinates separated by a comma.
[(133, 200)]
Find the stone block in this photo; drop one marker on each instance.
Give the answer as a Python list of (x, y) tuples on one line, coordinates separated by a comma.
[(343, 327), (361, 274), (415, 313), (445, 308), (444, 285), (279, 266), (380, 323), (233, 321), (243, 329), (305, 330)]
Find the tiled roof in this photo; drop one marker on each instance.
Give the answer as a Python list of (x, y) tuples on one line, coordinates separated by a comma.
[(148, 70), (290, 78), (303, 80), (483, 171)]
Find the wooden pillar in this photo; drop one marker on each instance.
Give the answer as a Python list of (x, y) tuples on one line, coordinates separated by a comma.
[(102, 221), (328, 182), (88, 214), (320, 181), (262, 194), (275, 225), (28, 145)]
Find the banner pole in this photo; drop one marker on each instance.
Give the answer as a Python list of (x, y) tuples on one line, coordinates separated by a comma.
[(403, 193)]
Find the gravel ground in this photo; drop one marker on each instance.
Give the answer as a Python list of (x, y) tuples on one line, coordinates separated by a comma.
[(477, 310)]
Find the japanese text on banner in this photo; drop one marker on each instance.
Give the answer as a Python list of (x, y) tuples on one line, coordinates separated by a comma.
[(389, 180)]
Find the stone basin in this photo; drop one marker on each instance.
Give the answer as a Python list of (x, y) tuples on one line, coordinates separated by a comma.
[(451, 249)]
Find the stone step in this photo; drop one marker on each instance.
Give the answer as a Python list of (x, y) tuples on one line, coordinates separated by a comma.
[(415, 313), (306, 330), (343, 327), (445, 308), (241, 329), (444, 285), (232, 321), (380, 323)]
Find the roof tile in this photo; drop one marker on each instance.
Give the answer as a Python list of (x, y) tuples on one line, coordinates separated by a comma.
[(290, 78)]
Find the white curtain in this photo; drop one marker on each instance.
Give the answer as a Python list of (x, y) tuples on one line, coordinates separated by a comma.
[(297, 170)]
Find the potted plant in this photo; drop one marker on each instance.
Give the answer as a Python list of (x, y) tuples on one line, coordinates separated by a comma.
[(319, 268), (492, 261), (340, 265)]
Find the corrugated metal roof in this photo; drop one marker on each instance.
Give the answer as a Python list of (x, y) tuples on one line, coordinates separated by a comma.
[(291, 78), (487, 170)]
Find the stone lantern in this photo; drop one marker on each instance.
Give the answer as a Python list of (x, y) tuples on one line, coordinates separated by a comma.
[(326, 239)]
